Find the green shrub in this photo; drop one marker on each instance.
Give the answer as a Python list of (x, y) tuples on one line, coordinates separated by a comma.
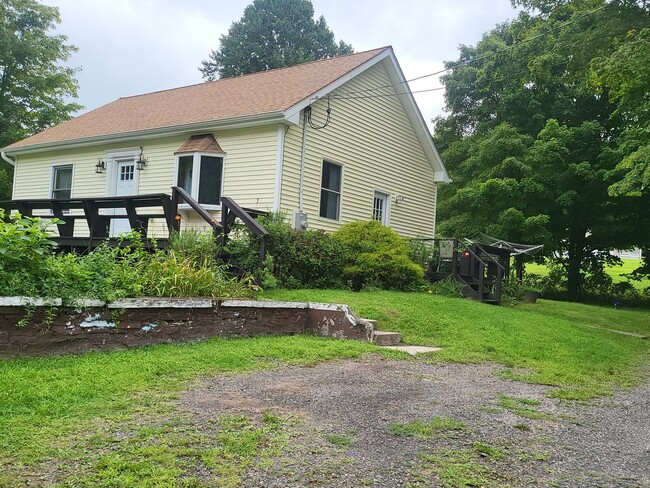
[(309, 259), (377, 257), (25, 247), (28, 267), (421, 252), (447, 287)]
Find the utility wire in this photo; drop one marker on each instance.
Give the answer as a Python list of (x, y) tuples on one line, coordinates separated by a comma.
[(480, 58)]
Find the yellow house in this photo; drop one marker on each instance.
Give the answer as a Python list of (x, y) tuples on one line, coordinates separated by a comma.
[(326, 142)]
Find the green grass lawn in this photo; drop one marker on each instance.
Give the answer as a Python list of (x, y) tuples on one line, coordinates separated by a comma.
[(616, 272), (554, 341), (92, 411)]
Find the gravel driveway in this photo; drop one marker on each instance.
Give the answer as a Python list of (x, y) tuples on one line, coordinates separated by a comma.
[(381, 422)]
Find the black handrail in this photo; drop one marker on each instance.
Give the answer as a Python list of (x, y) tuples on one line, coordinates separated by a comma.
[(228, 206), (220, 230), (232, 206), (491, 258), (179, 193)]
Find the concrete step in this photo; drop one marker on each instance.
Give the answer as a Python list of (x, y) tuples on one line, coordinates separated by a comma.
[(384, 338), (414, 350)]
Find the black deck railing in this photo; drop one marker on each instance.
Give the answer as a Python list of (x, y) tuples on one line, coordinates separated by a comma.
[(98, 213), (230, 211)]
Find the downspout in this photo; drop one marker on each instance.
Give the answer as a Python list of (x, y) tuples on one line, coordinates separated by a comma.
[(302, 158), (7, 158)]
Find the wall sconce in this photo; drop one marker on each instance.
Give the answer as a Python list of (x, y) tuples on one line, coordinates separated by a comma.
[(100, 166), (399, 198), (142, 161)]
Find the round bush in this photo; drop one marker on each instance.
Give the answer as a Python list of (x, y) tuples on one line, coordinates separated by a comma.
[(377, 256)]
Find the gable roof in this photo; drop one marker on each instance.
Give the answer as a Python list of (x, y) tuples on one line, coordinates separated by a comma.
[(273, 96), (263, 93), (201, 143)]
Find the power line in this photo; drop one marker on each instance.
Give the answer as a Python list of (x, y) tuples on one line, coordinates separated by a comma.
[(480, 58), (380, 95)]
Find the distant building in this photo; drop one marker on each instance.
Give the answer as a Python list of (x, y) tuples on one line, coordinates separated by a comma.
[(628, 253)]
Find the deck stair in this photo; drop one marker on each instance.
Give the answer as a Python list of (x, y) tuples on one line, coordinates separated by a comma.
[(480, 269), (385, 338)]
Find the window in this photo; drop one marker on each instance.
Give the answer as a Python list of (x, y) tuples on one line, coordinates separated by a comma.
[(380, 208), (330, 193), (61, 182), (201, 176)]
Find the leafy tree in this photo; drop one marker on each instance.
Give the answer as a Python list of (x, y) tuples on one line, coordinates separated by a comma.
[(539, 132), (34, 88), (272, 34)]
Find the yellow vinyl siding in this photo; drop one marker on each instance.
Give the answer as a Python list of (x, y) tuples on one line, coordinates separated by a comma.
[(373, 140), (249, 175)]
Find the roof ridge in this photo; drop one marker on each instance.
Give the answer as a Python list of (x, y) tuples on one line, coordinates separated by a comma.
[(257, 73)]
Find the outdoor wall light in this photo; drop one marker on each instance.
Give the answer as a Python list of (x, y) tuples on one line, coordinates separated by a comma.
[(142, 161), (399, 198), (100, 166)]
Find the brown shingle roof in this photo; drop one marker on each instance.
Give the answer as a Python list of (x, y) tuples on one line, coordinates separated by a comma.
[(258, 93), (201, 143)]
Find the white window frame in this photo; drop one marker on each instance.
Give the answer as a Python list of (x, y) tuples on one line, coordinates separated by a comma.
[(196, 176), (340, 192), (386, 215), (53, 168)]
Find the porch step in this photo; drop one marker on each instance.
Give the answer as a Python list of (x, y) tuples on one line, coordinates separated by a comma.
[(384, 338)]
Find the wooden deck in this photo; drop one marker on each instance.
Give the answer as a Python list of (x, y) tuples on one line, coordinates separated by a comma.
[(84, 223)]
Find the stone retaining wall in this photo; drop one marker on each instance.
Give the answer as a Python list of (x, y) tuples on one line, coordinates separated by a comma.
[(93, 325)]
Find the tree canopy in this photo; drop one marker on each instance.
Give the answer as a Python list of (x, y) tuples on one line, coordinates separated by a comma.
[(34, 88), (547, 136), (272, 34)]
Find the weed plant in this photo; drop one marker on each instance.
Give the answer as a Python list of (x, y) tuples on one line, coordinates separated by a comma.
[(29, 267)]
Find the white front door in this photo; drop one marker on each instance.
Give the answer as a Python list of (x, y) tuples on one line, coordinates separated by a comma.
[(124, 186)]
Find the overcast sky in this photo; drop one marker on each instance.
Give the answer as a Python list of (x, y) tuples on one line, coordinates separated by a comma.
[(129, 47)]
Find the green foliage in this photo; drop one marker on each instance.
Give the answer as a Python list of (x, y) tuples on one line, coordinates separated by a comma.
[(188, 268), (598, 286), (6, 178), (272, 34), (447, 287), (418, 428), (35, 87), (25, 250), (377, 257), (623, 75), (421, 252), (297, 259), (546, 141)]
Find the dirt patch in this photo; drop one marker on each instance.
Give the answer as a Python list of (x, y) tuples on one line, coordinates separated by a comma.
[(378, 422)]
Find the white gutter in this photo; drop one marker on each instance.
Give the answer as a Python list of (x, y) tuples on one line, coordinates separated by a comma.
[(282, 130), (302, 159), (7, 158), (238, 122)]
